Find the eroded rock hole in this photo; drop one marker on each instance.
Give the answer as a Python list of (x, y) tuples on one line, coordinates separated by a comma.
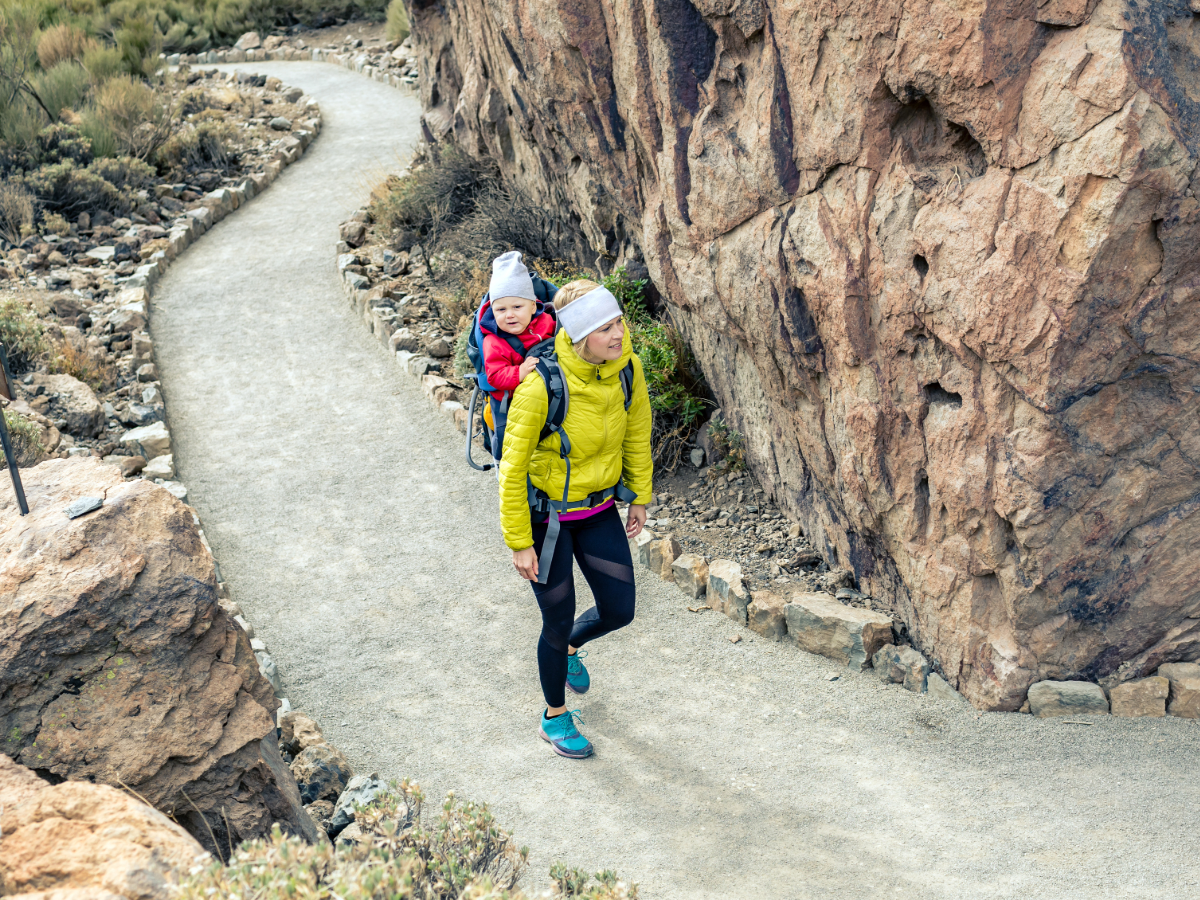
[(935, 393), (921, 264)]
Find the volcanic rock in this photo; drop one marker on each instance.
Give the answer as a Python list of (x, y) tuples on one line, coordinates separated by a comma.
[(937, 262), (74, 401), (85, 840), (118, 666)]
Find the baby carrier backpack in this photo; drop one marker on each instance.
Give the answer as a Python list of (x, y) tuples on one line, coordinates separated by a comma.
[(490, 421)]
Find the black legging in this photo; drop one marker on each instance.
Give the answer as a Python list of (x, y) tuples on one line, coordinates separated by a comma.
[(599, 545)]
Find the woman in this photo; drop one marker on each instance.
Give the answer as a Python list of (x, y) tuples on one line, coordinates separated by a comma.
[(608, 447)]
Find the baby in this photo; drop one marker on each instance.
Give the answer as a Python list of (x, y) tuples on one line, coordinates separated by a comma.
[(511, 318)]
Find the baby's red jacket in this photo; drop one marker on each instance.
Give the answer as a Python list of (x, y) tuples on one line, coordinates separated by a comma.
[(502, 363)]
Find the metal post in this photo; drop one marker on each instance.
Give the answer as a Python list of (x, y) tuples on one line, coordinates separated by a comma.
[(9, 456)]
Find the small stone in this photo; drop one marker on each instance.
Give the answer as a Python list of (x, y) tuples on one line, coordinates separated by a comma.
[(149, 441), (696, 457), (279, 123), (298, 732), (661, 556), (245, 626), (725, 591), (1145, 697), (83, 506), (823, 626), (901, 665), (1067, 698), (147, 372), (248, 41), (174, 488), (160, 467), (129, 465), (940, 689), (403, 340), (439, 348), (322, 773), (690, 572), (151, 396), (1184, 681), (360, 790), (266, 667), (639, 547), (766, 615)]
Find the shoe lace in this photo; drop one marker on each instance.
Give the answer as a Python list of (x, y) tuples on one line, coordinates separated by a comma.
[(573, 717), (573, 662)]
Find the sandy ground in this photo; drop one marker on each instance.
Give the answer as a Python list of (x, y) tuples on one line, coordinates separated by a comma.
[(369, 559)]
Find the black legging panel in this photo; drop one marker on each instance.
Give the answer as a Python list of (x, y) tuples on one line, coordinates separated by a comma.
[(599, 545)]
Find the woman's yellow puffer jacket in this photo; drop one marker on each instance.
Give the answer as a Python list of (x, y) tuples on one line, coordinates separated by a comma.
[(606, 441)]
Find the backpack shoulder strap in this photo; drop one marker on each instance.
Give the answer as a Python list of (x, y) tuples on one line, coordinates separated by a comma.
[(556, 395), (627, 383)]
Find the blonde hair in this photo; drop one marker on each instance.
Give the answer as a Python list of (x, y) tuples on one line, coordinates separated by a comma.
[(570, 292)]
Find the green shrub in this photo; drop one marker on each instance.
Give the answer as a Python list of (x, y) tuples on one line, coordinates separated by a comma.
[(58, 142), (140, 44), (21, 334), (69, 190), (397, 21), (136, 115), (99, 135), (463, 855), (573, 884), (125, 174), (728, 444), (26, 437), (102, 63)]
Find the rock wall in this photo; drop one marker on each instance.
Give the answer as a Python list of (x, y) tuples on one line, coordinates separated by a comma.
[(118, 666), (938, 261)]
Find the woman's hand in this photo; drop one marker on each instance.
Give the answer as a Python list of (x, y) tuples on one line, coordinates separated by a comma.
[(636, 520), (526, 560)]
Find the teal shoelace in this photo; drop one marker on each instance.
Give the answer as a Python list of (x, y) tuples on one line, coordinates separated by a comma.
[(573, 662)]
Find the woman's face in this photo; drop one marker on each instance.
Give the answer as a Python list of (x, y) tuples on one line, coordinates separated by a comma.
[(606, 342)]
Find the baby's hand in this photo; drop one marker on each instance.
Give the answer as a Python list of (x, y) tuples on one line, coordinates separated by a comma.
[(527, 366)]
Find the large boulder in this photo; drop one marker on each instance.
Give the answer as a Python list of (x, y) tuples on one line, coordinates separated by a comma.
[(76, 840), (937, 261), (118, 666)]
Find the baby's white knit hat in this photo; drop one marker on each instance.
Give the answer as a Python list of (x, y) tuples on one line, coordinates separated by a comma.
[(510, 277)]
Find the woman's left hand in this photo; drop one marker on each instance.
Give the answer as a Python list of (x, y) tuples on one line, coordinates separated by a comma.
[(636, 521)]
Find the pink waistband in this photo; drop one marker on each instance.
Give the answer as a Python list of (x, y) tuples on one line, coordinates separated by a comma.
[(584, 513)]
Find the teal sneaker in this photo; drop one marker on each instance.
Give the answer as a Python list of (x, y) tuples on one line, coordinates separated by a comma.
[(578, 679), (564, 737)]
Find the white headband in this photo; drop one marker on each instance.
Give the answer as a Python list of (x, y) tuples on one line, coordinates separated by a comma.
[(583, 316)]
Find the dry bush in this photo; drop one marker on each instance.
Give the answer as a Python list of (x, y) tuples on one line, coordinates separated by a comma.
[(397, 21), (62, 42), (93, 369), (136, 115), (208, 145), (504, 218), (16, 211)]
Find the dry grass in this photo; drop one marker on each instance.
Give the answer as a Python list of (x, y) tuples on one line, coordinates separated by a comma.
[(92, 369), (62, 42), (16, 212), (26, 437)]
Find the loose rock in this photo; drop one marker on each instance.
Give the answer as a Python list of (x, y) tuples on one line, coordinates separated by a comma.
[(1143, 697), (901, 665), (766, 615), (1067, 698), (690, 573), (823, 626), (321, 772), (1184, 681)]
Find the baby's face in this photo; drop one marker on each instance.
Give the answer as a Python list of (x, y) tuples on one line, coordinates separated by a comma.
[(513, 314)]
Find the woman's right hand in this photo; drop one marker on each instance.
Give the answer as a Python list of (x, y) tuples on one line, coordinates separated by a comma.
[(526, 562)]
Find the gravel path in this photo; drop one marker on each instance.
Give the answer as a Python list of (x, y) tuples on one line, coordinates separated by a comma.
[(369, 559)]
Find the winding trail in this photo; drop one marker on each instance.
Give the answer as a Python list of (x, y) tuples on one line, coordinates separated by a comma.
[(369, 560)]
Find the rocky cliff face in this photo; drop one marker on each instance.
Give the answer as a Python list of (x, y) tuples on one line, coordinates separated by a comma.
[(938, 260), (118, 666)]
